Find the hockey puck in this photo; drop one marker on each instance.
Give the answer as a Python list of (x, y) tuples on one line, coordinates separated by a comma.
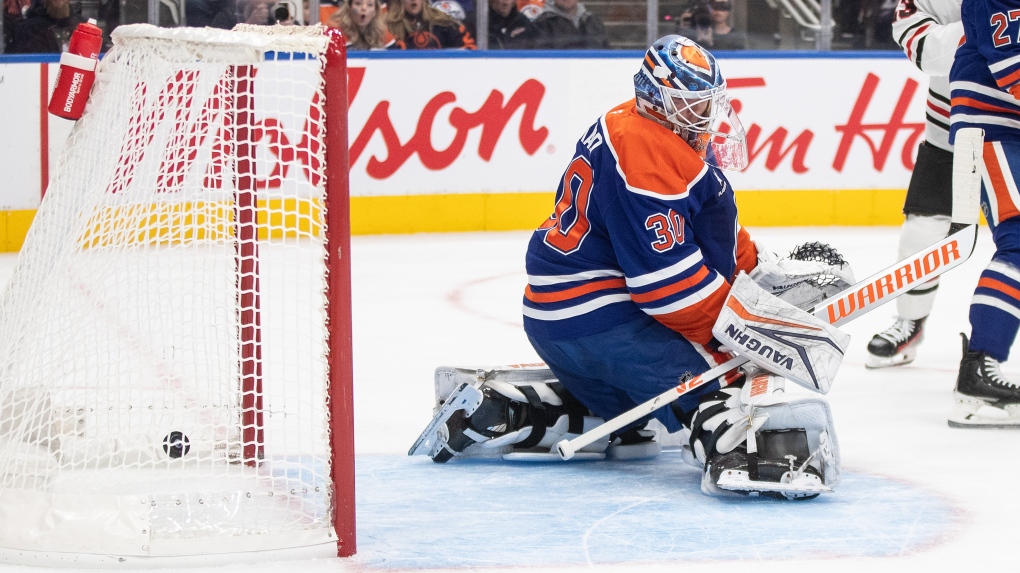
[(176, 445)]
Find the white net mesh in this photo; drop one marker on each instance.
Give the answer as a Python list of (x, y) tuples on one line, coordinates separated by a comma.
[(163, 338)]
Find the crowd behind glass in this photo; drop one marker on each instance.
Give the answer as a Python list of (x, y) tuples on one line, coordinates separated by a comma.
[(44, 26)]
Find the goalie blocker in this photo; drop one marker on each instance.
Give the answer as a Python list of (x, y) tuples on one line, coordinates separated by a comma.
[(780, 337)]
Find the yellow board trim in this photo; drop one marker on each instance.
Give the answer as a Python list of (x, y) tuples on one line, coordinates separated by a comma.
[(477, 212), (13, 228), (524, 211)]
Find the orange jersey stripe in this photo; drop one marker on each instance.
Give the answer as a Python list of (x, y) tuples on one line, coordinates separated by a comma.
[(581, 290), (695, 322), (1000, 286), (1006, 208), (971, 102), (1009, 80), (674, 288)]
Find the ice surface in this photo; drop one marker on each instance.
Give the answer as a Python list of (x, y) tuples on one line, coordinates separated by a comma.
[(916, 494)]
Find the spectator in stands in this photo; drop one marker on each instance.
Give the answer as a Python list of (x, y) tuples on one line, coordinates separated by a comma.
[(211, 13), (462, 12), (567, 24), (363, 25), (531, 8), (46, 28), (417, 25), (250, 12), (508, 28), (713, 27), (14, 11), (282, 14)]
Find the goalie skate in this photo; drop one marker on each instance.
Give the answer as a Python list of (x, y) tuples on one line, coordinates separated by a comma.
[(464, 397), (740, 473), (803, 485)]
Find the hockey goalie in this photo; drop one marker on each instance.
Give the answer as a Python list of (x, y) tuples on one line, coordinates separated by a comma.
[(642, 276)]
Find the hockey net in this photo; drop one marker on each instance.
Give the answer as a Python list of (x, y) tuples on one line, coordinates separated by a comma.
[(175, 340)]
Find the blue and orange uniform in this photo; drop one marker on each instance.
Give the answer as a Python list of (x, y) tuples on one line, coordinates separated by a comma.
[(630, 272), (985, 84)]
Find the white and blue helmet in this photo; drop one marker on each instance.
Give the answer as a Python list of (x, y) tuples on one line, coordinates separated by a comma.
[(680, 85)]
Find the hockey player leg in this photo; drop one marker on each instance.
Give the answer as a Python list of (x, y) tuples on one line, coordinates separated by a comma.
[(752, 443), (897, 345)]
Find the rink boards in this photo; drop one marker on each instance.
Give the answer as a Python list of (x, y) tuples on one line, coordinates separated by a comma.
[(464, 142)]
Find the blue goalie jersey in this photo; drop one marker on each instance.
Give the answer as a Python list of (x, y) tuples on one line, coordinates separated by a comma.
[(641, 225)]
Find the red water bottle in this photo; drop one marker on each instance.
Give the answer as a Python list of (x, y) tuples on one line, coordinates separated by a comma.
[(77, 71)]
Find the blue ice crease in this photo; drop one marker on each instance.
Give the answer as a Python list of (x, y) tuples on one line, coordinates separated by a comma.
[(413, 513)]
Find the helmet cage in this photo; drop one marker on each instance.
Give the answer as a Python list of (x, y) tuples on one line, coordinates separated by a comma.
[(707, 121)]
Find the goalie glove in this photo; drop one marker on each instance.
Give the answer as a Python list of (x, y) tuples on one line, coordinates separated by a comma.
[(810, 274), (780, 337)]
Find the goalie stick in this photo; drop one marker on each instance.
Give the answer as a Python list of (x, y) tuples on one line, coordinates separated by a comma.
[(860, 298)]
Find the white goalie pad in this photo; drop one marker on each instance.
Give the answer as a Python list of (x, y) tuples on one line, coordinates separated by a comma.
[(465, 385), (448, 378), (780, 337), (814, 416)]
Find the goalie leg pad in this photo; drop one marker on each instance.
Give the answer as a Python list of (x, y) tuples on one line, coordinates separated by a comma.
[(780, 337), (754, 445), (500, 412)]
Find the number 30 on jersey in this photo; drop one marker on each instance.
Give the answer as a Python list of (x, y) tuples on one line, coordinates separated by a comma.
[(569, 224)]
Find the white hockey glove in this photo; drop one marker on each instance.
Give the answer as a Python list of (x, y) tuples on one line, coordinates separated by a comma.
[(810, 274), (780, 337)]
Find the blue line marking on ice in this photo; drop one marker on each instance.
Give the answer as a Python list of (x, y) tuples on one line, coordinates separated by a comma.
[(413, 513)]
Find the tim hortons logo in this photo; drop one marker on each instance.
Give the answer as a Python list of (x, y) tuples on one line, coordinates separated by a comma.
[(774, 149), (909, 274)]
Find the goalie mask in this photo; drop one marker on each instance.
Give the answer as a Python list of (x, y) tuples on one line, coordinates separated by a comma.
[(680, 85)]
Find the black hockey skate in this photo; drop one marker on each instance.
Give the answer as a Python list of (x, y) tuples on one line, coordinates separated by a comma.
[(984, 398), (780, 469), (896, 345)]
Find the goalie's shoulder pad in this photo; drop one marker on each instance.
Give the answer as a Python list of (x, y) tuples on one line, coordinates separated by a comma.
[(780, 337)]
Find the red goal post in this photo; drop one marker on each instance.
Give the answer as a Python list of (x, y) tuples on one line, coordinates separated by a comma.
[(175, 342)]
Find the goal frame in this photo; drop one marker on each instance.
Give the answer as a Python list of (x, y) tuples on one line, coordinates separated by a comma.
[(338, 323)]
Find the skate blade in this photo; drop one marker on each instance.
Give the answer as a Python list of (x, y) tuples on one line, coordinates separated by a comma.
[(900, 359), (738, 480), (464, 397), (973, 413)]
